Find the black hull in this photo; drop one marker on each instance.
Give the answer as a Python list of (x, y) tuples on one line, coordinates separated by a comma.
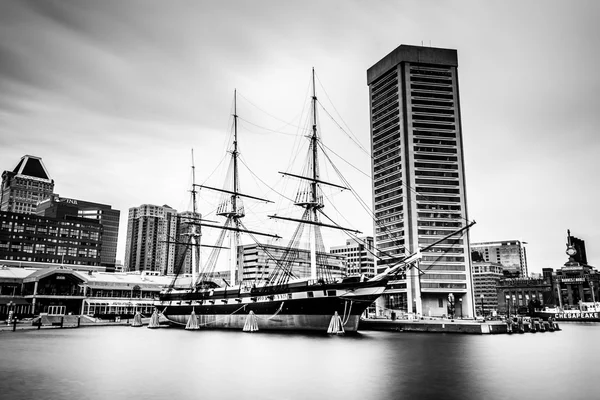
[(294, 307)]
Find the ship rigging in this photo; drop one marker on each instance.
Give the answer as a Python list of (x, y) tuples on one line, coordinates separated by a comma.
[(284, 300)]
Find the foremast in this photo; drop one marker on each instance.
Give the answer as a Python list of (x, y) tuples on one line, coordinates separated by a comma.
[(312, 199)]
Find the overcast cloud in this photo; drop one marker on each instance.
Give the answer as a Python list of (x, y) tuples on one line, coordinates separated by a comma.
[(114, 94)]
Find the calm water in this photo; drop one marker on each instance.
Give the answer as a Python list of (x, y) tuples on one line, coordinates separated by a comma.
[(139, 363)]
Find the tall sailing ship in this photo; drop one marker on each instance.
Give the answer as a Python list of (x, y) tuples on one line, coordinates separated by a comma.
[(282, 301)]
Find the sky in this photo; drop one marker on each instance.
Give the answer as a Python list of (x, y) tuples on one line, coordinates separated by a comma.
[(114, 94)]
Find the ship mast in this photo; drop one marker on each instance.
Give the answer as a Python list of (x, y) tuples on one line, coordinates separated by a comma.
[(235, 235), (196, 233), (316, 203), (310, 196), (236, 211), (232, 208)]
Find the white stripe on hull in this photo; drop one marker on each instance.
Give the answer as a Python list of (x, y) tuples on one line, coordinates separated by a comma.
[(370, 291), (278, 322)]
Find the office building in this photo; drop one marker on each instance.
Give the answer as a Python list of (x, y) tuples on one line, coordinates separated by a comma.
[(257, 262), (67, 240), (419, 180), (183, 248), (510, 254), (151, 234), (26, 185), (58, 207), (358, 254), (515, 294), (486, 276)]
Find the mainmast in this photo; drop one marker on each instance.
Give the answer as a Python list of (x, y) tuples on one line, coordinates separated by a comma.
[(233, 211), (310, 196)]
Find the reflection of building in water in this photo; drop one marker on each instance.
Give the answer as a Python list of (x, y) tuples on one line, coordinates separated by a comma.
[(510, 254), (259, 262)]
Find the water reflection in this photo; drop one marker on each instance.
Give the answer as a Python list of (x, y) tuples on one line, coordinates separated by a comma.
[(126, 363)]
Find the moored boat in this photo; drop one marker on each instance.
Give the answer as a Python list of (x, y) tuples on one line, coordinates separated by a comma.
[(587, 312), (299, 305)]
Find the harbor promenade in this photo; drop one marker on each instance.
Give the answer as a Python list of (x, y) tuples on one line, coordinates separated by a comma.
[(68, 322), (435, 325)]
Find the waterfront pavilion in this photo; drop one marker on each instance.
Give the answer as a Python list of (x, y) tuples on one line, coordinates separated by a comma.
[(62, 290)]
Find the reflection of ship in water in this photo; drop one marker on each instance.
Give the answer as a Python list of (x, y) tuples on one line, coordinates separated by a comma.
[(574, 287)]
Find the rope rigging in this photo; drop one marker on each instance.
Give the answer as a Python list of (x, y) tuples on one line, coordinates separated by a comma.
[(309, 195)]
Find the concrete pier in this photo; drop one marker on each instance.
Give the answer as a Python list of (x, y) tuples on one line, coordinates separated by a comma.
[(434, 325)]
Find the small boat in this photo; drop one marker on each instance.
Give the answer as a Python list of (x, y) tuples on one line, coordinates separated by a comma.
[(586, 312)]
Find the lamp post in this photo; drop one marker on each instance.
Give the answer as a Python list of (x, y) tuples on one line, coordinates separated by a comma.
[(9, 307), (481, 297), (128, 311), (11, 315), (461, 309)]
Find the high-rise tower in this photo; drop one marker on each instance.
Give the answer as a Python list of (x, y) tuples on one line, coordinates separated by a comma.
[(151, 234), (511, 254), (418, 179), (183, 247), (26, 185)]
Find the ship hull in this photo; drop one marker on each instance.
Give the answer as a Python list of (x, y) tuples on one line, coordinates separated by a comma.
[(293, 308)]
